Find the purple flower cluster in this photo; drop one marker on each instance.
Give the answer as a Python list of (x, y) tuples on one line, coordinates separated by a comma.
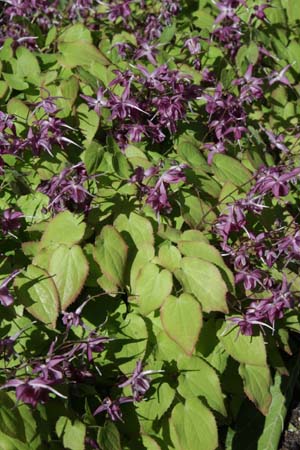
[(229, 33), (157, 195), (44, 13), (70, 361), (151, 102), (67, 190), (253, 255), (43, 135), (139, 383)]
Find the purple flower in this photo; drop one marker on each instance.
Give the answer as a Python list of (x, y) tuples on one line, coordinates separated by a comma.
[(93, 344), (6, 299), (10, 221), (67, 191), (33, 391), (148, 51), (96, 103), (280, 76), (193, 45), (276, 141), (251, 86), (119, 9), (139, 381), (273, 179), (112, 407), (250, 279), (73, 318)]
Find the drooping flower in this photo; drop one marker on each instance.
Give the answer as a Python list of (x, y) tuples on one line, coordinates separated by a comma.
[(6, 299), (10, 220), (112, 407)]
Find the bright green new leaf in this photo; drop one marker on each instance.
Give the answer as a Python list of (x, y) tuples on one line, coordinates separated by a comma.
[(66, 228), (144, 255), (152, 287), (195, 426), (80, 53), (169, 256), (203, 280), (111, 254), (74, 435), (69, 269), (74, 33), (150, 443), (37, 292), (198, 379), (139, 228), (244, 349), (27, 65), (257, 383), (208, 253), (182, 320)]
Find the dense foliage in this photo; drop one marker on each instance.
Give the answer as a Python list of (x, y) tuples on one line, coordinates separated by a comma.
[(149, 164)]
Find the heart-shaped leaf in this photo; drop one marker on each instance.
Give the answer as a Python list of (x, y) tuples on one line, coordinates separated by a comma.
[(69, 269), (182, 320)]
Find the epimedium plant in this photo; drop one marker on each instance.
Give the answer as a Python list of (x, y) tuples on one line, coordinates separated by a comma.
[(150, 227)]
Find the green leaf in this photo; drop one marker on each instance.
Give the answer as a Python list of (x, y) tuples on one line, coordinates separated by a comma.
[(244, 349), (203, 280), (27, 65), (37, 291), (17, 107), (293, 12), (139, 228), (74, 435), (144, 255), (152, 287), (81, 53), (182, 320), (168, 34), (9, 443), (15, 82), (198, 379), (194, 425), (69, 269), (51, 36), (109, 437), (257, 382), (208, 253), (169, 256), (3, 88), (154, 407), (282, 392), (65, 228), (121, 165), (93, 156), (229, 169), (111, 254), (135, 335), (11, 422), (292, 54), (88, 121), (74, 33), (149, 443)]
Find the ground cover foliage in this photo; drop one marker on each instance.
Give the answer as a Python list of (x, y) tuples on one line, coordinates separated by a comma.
[(150, 241)]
